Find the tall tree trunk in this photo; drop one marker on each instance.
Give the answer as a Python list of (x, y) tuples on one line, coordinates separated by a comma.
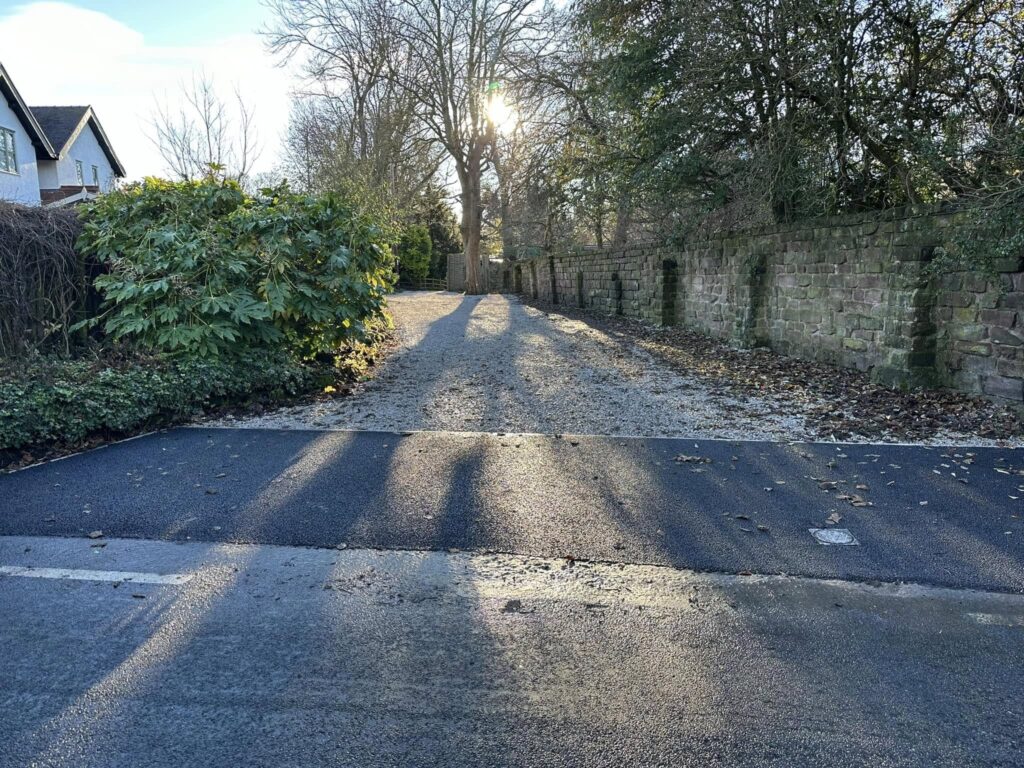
[(471, 223), (508, 236)]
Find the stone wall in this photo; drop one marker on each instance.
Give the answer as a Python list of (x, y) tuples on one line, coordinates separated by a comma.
[(456, 274), (980, 332), (854, 291)]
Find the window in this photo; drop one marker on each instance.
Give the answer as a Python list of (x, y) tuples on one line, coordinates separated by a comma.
[(95, 175), (8, 157), (80, 173)]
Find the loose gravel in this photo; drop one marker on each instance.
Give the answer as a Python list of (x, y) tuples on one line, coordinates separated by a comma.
[(494, 364)]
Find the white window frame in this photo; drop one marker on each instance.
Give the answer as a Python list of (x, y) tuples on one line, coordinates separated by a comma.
[(96, 176), (80, 172), (8, 135)]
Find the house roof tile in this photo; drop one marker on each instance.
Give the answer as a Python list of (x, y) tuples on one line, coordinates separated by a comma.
[(59, 123)]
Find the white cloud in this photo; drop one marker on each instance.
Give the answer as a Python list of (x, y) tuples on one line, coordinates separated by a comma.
[(61, 54)]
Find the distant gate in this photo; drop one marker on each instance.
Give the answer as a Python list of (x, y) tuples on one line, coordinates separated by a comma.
[(456, 272)]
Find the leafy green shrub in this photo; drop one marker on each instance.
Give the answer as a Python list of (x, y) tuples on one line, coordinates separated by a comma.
[(50, 401), (989, 240), (414, 252), (203, 268)]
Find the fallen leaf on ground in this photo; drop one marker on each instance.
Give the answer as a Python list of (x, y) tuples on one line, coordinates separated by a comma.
[(837, 402)]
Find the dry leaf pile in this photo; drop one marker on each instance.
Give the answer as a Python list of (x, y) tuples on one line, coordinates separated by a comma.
[(838, 403)]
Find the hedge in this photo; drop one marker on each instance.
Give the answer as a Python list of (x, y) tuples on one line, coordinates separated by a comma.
[(49, 401), (45, 285)]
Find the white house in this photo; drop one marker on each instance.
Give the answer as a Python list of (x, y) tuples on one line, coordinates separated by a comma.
[(52, 155), (22, 141), (85, 164)]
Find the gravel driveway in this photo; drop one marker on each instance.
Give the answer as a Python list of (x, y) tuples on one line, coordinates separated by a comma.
[(489, 363)]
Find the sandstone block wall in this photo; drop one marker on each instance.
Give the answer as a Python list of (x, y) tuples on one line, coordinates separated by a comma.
[(854, 291)]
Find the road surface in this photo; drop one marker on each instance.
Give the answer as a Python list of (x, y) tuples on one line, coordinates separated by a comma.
[(307, 596)]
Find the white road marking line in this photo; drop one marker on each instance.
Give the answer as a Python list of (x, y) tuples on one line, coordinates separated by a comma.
[(86, 575), (996, 619)]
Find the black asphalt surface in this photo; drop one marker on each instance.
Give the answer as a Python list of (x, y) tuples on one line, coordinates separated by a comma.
[(938, 516), (278, 657)]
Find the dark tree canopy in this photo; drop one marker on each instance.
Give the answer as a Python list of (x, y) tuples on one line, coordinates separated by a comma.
[(790, 108), (655, 118)]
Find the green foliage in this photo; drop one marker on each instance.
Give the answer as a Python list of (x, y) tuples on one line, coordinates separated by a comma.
[(988, 240), (58, 401), (202, 268), (432, 210), (797, 109), (50, 401), (992, 237), (414, 251)]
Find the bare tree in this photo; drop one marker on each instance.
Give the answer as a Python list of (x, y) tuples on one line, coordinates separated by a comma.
[(449, 56), (206, 134), (374, 150), (528, 157)]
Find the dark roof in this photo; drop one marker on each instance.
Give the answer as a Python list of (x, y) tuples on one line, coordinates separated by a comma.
[(63, 124), (44, 148), (59, 123)]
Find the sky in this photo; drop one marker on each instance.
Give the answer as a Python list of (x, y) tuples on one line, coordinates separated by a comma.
[(124, 57)]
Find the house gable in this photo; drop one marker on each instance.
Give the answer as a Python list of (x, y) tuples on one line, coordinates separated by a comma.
[(29, 143), (49, 154), (21, 186), (83, 152), (68, 127)]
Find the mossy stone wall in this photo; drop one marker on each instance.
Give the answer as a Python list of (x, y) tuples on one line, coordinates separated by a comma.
[(854, 291)]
